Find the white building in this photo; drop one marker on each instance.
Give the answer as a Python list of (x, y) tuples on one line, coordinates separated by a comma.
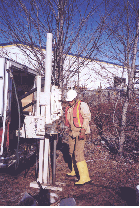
[(92, 74)]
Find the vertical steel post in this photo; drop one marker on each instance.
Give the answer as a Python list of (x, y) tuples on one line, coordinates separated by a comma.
[(54, 159), (41, 161), (38, 94), (7, 65), (48, 72), (41, 147)]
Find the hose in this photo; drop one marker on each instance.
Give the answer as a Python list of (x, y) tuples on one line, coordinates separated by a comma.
[(11, 75), (19, 123)]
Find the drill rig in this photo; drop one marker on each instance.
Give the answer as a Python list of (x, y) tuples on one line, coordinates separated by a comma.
[(29, 108)]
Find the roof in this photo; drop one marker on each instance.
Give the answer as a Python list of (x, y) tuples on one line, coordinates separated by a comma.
[(69, 54)]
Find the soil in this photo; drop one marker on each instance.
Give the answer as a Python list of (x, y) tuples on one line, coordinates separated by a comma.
[(114, 180)]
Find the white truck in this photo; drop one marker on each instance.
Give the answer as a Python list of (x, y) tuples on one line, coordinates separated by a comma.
[(15, 81)]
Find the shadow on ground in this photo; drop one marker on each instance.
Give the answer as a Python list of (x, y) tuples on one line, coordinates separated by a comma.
[(129, 195), (64, 148)]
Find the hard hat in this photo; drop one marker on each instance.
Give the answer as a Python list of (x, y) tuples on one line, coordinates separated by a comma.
[(71, 94)]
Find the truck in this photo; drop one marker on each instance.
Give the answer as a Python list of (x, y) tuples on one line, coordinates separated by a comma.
[(17, 101)]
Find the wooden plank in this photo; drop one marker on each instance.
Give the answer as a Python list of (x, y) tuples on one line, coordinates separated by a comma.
[(26, 101)]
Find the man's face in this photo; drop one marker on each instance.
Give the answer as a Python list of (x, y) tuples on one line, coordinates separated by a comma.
[(71, 103)]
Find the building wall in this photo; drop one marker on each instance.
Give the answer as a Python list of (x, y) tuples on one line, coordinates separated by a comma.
[(92, 74)]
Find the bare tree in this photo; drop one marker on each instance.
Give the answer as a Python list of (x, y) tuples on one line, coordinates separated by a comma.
[(93, 29), (123, 35), (77, 27)]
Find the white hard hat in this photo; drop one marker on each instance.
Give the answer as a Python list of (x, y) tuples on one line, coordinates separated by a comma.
[(71, 94)]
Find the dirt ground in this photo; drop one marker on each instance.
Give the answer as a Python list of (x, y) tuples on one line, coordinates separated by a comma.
[(114, 180)]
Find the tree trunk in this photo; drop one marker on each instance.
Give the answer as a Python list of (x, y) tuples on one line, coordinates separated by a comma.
[(122, 135), (130, 86)]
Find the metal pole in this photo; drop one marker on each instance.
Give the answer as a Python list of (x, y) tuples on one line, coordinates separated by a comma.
[(38, 94), (41, 161), (5, 104), (48, 72), (41, 147), (46, 160), (54, 160)]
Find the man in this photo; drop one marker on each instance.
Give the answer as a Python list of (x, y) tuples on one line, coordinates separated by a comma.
[(77, 117)]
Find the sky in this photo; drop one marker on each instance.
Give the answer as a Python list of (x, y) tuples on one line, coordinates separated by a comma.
[(90, 41)]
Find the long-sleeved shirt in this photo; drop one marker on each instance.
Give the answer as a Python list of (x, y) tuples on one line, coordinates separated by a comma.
[(85, 112)]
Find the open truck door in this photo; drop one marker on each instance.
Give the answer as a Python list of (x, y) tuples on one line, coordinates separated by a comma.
[(16, 101)]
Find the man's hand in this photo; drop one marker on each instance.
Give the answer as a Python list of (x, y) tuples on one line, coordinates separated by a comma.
[(82, 134)]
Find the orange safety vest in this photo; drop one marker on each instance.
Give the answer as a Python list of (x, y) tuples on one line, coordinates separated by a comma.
[(77, 117)]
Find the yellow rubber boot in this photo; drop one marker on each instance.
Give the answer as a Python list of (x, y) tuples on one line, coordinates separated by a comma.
[(83, 172), (72, 173)]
